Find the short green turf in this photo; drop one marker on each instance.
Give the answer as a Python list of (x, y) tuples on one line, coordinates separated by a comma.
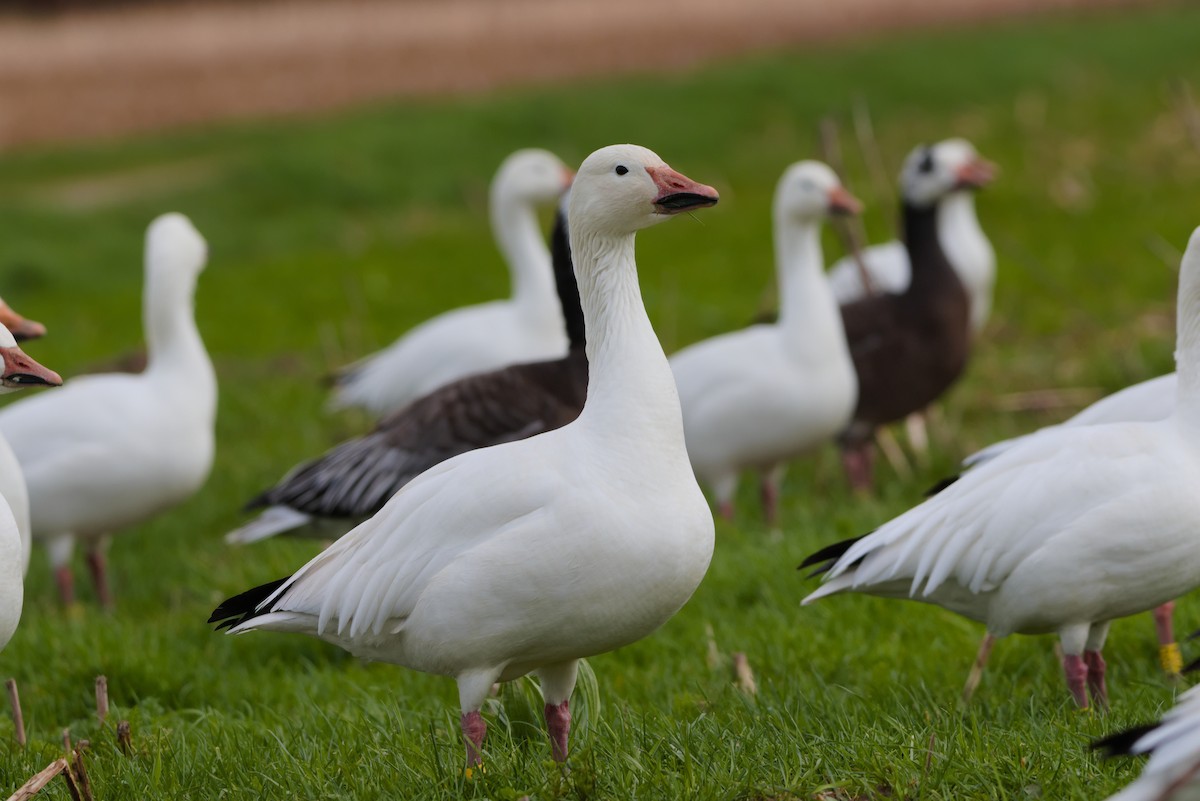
[(329, 237)]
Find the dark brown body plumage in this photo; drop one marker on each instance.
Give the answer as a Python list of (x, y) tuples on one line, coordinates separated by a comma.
[(908, 348), (355, 479)]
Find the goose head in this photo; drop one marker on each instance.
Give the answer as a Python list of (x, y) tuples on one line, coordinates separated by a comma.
[(20, 327), (933, 171), (531, 176), (175, 248), (621, 189), (20, 371), (810, 191)]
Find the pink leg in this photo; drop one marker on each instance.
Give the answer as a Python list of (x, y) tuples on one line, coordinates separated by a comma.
[(725, 510), (1077, 675), (98, 565), (66, 584), (858, 462), (558, 723), (474, 730), (1095, 678), (770, 501), (1163, 623), (976, 674)]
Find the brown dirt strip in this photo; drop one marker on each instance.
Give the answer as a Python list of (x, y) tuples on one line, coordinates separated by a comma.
[(85, 74)]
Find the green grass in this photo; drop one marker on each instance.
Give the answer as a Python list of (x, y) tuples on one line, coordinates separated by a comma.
[(329, 237)]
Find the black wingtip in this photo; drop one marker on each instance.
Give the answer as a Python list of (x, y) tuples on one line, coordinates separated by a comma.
[(245, 606), (941, 485), (829, 553), (1121, 743), (1191, 667)]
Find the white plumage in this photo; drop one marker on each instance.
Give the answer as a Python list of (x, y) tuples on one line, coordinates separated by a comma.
[(530, 555), (1173, 770), (19, 371), (1145, 402), (760, 397), (962, 238), (108, 451), (1068, 532), (526, 327)]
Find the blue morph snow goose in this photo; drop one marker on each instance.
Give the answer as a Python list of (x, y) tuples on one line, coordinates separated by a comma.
[(967, 247), (473, 339), (1065, 534), (329, 494), (910, 347), (528, 556), (757, 398)]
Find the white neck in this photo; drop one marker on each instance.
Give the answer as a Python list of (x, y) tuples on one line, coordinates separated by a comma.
[(808, 312), (175, 352), (631, 394), (515, 227), (968, 250), (1187, 342)]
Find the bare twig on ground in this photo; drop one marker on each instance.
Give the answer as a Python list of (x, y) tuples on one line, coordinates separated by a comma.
[(39, 780), (101, 698), (849, 229), (743, 674), (864, 130), (14, 701), (125, 738)]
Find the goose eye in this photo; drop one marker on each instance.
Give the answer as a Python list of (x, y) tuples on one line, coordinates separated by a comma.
[(926, 164), (622, 169)]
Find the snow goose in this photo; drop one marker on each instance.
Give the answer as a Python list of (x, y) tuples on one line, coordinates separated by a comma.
[(1065, 534), (759, 397), (108, 451), (528, 556), (1173, 771), (1148, 401), (966, 246), (909, 347), (20, 327), (526, 327), (354, 480), (18, 371)]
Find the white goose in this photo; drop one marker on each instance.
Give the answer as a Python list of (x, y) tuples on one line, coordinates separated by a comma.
[(1065, 534), (108, 451), (962, 238), (19, 371), (526, 327), (1146, 402), (757, 398), (1173, 771), (528, 556)]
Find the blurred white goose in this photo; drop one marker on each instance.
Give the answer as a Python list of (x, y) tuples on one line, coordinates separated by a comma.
[(18, 372), (526, 327), (759, 397), (530, 555), (967, 248), (1173, 771), (108, 451), (1065, 534)]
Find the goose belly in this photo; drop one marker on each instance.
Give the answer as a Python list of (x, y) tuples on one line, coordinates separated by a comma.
[(577, 589), (147, 479), (766, 425)]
